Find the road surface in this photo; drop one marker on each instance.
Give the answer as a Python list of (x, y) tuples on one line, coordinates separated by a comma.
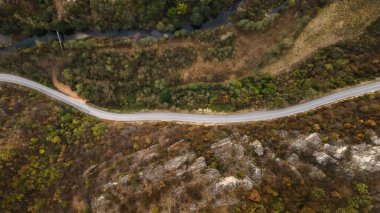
[(196, 118)]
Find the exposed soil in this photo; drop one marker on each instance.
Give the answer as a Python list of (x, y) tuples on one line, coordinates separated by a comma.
[(60, 8), (339, 21), (64, 88), (55, 66)]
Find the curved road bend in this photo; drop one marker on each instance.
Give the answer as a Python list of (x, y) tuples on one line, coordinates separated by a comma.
[(195, 118)]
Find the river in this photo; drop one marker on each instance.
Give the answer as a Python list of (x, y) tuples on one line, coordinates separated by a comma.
[(221, 19)]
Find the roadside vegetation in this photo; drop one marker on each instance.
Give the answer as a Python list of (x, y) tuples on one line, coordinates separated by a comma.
[(151, 78), (209, 70), (46, 148)]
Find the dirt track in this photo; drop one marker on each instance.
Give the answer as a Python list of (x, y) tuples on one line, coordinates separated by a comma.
[(65, 89)]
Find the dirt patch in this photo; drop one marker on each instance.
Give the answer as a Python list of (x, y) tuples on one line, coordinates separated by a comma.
[(339, 21), (60, 8), (64, 88), (5, 40), (78, 204), (250, 50), (55, 66)]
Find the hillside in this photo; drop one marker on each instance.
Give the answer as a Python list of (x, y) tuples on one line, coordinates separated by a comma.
[(57, 160)]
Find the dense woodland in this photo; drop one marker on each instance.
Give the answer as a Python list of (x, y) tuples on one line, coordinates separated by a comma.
[(26, 18), (35, 17), (45, 148)]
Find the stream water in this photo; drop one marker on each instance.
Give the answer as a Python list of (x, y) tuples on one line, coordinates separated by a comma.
[(221, 19)]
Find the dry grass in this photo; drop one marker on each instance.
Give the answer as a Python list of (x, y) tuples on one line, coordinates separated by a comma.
[(60, 8), (343, 19), (250, 50)]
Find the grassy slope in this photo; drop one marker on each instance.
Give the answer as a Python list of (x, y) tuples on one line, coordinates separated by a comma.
[(341, 20)]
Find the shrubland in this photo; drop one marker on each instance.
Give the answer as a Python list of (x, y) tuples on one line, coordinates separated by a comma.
[(47, 151)]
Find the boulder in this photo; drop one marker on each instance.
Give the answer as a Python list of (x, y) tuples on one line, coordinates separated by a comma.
[(293, 160), (176, 162), (231, 183), (258, 147), (310, 143), (226, 150), (323, 158), (316, 173), (375, 139), (338, 152), (198, 165)]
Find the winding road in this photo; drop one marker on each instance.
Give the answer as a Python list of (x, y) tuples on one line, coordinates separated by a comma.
[(196, 118)]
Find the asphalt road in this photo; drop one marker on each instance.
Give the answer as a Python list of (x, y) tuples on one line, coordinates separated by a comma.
[(196, 118)]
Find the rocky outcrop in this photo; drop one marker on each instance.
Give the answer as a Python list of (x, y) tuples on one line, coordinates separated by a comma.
[(310, 143), (233, 164), (350, 159), (365, 158)]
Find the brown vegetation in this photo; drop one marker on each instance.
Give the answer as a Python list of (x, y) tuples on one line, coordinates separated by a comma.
[(339, 21)]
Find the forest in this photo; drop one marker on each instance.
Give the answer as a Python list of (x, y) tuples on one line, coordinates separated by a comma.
[(36, 17), (27, 18)]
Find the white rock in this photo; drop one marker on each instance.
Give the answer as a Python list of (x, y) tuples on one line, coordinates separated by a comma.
[(313, 142), (335, 151), (375, 140), (256, 174), (365, 158), (124, 179), (197, 165), (89, 171), (323, 158), (222, 143), (258, 147), (293, 159), (340, 152), (316, 173), (176, 162), (109, 185), (226, 150), (232, 182), (244, 139)]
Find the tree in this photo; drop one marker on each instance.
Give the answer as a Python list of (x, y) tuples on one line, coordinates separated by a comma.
[(182, 8), (196, 19), (292, 3), (160, 26)]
